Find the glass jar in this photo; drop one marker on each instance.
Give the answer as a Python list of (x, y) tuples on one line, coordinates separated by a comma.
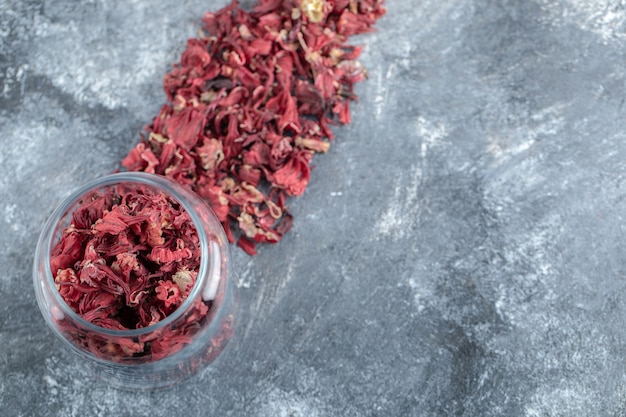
[(171, 349)]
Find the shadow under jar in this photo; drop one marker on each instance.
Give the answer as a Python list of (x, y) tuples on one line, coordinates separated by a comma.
[(164, 347)]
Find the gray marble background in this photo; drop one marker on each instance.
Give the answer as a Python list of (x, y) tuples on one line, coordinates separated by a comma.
[(459, 251)]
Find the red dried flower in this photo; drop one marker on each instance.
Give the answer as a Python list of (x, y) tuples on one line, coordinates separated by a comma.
[(131, 262), (249, 104)]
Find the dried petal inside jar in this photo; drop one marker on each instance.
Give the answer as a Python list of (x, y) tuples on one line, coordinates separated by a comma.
[(128, 259)]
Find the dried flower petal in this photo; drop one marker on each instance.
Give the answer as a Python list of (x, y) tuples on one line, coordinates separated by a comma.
[(313, 9), (184, 279), (247, 245), (293, 176)]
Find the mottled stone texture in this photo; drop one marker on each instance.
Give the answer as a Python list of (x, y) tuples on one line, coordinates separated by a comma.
[(458, 252)]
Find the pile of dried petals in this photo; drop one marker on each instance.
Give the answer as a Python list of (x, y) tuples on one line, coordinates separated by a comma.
[(128, 259), (251, 101)]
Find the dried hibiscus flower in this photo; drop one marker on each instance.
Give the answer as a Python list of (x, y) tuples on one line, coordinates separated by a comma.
[(141, 266), (116, 264), (250, 102)]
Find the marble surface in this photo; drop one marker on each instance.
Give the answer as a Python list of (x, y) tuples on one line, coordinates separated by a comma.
[(459, 251)]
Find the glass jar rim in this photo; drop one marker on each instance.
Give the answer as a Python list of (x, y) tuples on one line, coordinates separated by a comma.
[(158, 182)]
